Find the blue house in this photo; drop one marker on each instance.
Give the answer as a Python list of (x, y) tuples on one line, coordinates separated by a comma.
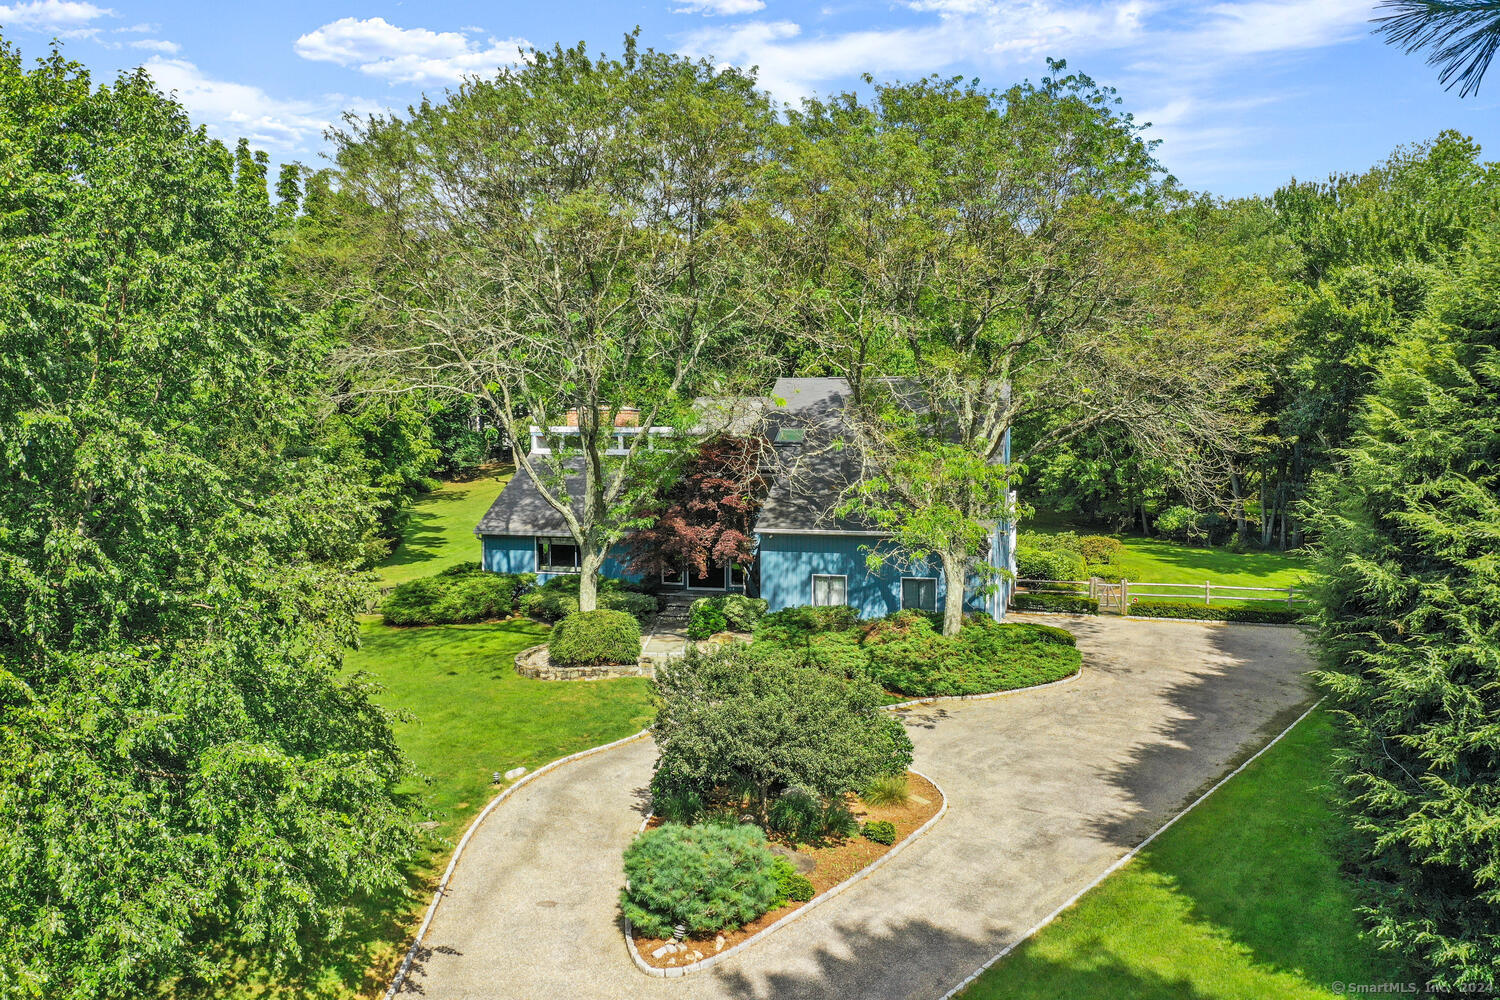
[(806, 553)]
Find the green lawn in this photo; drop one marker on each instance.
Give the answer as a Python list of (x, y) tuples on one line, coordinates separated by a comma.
[(469, 714), (1241, 900), (440, 527)]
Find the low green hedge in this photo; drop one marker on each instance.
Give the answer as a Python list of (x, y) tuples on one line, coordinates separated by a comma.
[(985, 656), (723, 613), (462, 593), (1076, 604), (1226, 613), (907, 654), (589, 638), (558, 598), (708, 878)]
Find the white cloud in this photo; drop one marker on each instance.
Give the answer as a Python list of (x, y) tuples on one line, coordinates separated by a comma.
[(724, 8), (406, 55), (232, 110), (1263, 26), (68, 18), (156, 45), (964, 31)]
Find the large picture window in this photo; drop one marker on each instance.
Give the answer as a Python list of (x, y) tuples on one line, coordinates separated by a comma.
[(918, 593), (829, 591), (557, 555)]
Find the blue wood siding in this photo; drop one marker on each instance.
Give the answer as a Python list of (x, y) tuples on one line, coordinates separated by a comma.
[(517, 554)]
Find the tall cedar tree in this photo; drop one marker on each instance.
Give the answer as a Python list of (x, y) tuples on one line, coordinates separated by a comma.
[(186, 779), (1409, 632), (706, 516)]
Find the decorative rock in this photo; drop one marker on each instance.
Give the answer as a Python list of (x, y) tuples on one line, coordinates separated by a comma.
[(718, 944), (514, 773), (658, 953), (697, 955), (801, 862)]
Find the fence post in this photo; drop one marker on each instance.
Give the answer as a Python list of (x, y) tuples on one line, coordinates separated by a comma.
[(1208, 593), (1289, 592), (1124, 595)]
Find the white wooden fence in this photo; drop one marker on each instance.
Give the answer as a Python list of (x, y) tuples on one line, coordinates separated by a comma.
[(1115, 595)]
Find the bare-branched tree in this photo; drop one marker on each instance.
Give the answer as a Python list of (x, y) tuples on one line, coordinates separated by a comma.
[(563, 243)]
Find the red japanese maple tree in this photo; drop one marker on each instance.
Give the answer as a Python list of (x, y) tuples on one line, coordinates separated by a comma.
[(704, 517)]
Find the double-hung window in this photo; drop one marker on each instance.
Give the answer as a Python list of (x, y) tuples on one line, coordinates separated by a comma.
[(829, 591), (919, 593), (557, 555)]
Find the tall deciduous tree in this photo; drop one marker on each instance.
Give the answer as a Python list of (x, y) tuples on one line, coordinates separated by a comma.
[(562, 243), (1409, 612), (1001, 258), (185, 776)]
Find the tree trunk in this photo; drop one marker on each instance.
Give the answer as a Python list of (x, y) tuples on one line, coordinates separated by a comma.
[(955, 568), (1145, 525), (1241, 528), (591, 560)]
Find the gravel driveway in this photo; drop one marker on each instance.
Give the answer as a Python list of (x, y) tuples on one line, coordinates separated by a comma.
[(1045, 790)]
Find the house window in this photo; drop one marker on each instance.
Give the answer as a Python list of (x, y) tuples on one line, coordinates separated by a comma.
[(557, 555), (829, 591), (736, 575), (918, 593), (673, 577)]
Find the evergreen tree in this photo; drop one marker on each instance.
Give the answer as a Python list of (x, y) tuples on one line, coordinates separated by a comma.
[(1409, 631)]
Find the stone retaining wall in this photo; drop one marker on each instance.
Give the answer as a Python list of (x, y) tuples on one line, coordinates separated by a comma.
[(534, 663)]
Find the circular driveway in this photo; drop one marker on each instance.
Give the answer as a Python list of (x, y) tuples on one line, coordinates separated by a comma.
[(1046, 789)]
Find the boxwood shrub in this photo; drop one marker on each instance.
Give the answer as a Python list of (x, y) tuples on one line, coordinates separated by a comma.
[(463, 593), (881, 831), (708, 878), (792, 885), (558, 598), (589, 638), (1228, 613), (1077, 604), (706, 618)]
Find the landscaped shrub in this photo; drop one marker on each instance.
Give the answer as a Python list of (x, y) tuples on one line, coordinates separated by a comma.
[(881, 831), (1049, 564), (791, 885), (796, 814), (706, 618), (984, 656), (892, 750), (743, 612), (791, 624), (887, 790), (1222, 613), (1100, 549), (1182, 524), (707, 878), (463, 593), (741, 733), (838, 652), (558, 598), (587, 638), (1070, 603)]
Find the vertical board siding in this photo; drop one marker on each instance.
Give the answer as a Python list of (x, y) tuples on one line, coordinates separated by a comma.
[(517, 554), (789, 562)]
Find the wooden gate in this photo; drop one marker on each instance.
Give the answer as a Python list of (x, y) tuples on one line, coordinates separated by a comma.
[(1111, 596)]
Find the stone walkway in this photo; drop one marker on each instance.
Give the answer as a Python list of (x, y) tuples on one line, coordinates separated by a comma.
[(1045, 790)]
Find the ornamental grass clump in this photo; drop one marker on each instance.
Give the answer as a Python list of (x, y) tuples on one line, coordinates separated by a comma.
[(707, 878)]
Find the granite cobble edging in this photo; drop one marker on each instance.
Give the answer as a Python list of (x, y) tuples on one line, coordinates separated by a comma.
[(535, 664), (675, 972)]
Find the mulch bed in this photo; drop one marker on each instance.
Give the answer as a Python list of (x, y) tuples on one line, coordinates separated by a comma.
[(831, 864)]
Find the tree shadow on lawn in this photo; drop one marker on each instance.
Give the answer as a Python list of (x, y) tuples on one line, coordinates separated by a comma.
[(1256, 860), (918, 959)]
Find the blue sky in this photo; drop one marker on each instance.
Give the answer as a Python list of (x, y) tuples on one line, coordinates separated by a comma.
[(1243, 93)]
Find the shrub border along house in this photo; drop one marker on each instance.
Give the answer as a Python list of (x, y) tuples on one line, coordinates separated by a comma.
[(677, 971)]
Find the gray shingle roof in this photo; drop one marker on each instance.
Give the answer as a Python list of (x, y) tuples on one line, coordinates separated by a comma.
[(520, 509)]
